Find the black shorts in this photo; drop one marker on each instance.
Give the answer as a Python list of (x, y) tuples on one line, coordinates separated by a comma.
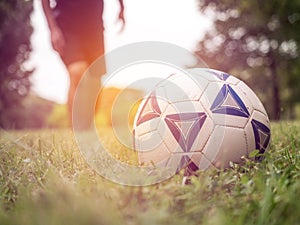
[(82, 45)]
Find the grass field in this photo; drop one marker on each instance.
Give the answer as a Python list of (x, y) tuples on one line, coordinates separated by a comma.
[(44, 180)]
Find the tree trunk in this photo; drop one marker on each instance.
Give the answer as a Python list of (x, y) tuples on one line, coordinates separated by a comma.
[(276, 92)]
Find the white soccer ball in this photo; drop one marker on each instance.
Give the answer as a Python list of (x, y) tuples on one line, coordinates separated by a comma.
[(199, 119)]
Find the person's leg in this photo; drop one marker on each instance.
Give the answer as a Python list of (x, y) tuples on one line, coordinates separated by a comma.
[(81, 50), (85, 89), (76, 71)]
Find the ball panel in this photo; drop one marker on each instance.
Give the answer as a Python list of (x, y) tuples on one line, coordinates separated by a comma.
[(261, 134), (220, 149), (204, 163), (147, 127), (160, 94), (169, 139), (261, 129), (210, 95), (188, 124), (261, 117), (224, 77), (250, 139), (183, 107), (199, 78), (232, 80), (147, 141), (149, 113), (189, 161), (226, 105), (209, 74), (203, 135), (154, 154), (199, 161), (179, 161), (235, 98), (213, 145), (182, 87), (252, 97)]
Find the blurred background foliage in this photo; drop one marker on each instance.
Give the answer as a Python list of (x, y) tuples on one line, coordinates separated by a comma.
[(259, 41), (117, 105), (256, 41), (15, 32)]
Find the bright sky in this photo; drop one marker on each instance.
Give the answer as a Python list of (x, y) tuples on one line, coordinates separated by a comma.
[(174, 21)]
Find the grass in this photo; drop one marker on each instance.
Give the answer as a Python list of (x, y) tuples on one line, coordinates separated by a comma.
[(44, 180)]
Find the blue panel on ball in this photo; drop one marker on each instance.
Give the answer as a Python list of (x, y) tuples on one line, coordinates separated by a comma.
[(220, 75), (187, 164), (183, 162), (235, 108), (156, 112), (185, 141), (262, 135)]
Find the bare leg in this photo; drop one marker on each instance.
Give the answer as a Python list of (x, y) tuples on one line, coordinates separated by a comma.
[(76, 71), (85, 90)]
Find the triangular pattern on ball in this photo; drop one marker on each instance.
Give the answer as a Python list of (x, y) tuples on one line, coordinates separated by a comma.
[(187, 164), (229, 103), (156, 111), (187, 140), (220, 75), (262, 135)]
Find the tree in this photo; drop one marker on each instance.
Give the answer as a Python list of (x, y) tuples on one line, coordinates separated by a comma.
[(15, 32), (260, 40)]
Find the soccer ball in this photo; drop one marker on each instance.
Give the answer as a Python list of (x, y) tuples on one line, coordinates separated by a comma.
[(199, 119)]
